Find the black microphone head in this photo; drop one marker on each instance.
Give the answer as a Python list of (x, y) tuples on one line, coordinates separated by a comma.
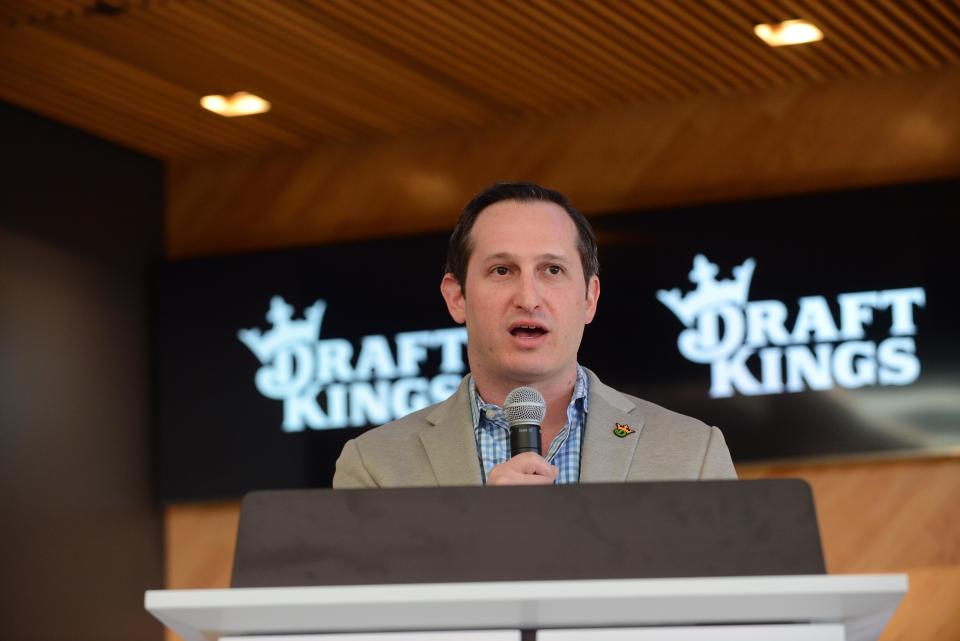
[(525, 406)]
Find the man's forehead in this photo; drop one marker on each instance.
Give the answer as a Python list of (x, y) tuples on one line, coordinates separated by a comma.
[(526, 221)]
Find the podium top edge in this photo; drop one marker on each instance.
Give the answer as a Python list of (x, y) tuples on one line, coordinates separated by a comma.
[(892, 584)]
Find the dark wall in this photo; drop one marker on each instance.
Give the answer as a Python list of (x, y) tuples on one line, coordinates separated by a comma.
[(81, 533)]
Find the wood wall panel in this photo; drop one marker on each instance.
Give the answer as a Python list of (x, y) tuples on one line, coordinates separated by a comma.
[(813, 137), (929, 611), (892, 516), (884, 516), (199, 540)]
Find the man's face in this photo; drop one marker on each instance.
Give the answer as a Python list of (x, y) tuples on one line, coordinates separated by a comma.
[(526, 303)]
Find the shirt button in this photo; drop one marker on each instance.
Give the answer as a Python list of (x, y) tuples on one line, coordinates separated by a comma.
[(491, 414)]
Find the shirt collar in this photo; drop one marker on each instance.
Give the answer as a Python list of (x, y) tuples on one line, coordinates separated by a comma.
[(478, 406)]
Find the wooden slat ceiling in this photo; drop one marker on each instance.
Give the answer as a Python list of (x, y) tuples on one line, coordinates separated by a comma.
[(355, 70)]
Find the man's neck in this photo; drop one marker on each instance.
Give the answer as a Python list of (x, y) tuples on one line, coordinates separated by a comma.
[(556, 392)]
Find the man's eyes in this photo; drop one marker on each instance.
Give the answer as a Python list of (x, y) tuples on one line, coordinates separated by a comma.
[(503, 270)]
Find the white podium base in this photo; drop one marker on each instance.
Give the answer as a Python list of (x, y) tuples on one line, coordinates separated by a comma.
[(788, 632), (459, 635), (858, 605)]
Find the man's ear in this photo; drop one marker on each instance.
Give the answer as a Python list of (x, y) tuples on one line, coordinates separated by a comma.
[(453, 295), (593, 295)]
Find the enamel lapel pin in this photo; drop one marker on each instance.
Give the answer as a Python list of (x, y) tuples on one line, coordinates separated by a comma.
[(622, 429)]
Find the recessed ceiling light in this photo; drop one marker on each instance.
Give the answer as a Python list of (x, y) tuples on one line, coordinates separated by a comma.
[(238, 104), (788, 32)]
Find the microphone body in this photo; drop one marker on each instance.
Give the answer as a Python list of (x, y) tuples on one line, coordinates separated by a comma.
[(525, 409), (525, 438)]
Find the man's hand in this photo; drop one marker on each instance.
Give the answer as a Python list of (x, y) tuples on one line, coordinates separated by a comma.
[(524, 469)]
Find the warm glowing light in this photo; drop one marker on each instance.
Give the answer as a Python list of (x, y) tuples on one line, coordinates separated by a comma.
[(238, 104), (788, 32)]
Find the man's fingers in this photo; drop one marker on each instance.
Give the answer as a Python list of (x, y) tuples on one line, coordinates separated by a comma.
[(509, 477), (527, 479), (530, 463), (524, 469)]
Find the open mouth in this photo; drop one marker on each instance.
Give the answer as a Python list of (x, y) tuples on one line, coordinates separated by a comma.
[(528, 331)]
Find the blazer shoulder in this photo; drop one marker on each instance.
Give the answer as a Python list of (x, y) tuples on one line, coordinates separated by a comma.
[(686, 447), (372, 458), (395, 432), (410, 426), (398, 454), (662, 418)]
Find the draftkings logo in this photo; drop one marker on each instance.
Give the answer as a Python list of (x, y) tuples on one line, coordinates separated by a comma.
[(333, 383), (751, 351)]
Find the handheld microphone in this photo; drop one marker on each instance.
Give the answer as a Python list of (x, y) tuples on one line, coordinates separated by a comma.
[(525, 409)]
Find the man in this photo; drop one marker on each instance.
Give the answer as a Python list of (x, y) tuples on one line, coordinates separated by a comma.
[(522, 274)]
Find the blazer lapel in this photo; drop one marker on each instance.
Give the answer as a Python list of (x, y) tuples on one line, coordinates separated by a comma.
[(606, 457), (450, 442)]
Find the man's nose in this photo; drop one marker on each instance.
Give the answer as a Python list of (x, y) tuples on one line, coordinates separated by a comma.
[(528, 292)]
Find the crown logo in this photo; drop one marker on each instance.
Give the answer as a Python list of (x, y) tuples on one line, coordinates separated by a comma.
[(710, 292), (286, 331), (622, 430)]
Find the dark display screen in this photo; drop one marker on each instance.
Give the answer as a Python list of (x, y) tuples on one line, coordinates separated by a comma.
[(809, 326)]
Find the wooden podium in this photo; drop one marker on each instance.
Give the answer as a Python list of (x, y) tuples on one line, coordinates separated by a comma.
[(672, 561)]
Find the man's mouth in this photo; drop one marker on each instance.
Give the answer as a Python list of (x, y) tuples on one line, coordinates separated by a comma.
[(527, 331)]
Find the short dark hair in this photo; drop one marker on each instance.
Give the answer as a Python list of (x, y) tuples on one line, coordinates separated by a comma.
[(460, 247)]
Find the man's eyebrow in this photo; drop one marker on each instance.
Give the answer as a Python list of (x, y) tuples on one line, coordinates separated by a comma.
[(500, 256), (508, 256)]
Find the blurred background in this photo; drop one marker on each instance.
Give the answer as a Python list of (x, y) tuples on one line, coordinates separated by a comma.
[(139, 231)]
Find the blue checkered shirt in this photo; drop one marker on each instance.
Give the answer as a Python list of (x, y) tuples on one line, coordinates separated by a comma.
[(493, 433)]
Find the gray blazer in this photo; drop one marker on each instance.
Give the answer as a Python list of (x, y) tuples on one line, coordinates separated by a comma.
[(437, 446)]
